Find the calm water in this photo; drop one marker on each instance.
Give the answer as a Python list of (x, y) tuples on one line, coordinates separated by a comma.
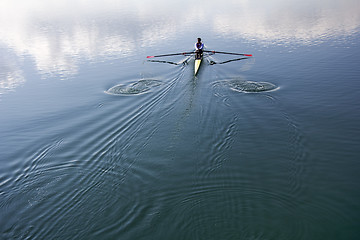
[(98, 143)]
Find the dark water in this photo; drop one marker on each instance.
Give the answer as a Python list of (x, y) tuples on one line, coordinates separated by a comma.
[(98, 143)]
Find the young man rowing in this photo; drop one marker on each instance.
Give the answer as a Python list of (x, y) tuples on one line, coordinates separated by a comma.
[(199, 46)]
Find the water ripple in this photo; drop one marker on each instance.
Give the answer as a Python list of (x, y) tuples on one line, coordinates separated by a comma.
[(134, 88), (240, 85), (245, 210)]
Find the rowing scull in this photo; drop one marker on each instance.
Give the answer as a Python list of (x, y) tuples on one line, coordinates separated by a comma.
[(198, 59)]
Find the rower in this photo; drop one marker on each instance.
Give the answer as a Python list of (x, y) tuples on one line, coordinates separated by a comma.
[(199, 46)]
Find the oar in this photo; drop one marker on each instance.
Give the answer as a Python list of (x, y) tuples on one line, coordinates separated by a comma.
[(171, 54), (159, 61), (240, 54), (232, 60)]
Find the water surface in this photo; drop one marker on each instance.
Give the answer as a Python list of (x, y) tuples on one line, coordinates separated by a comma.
[(99, 143)]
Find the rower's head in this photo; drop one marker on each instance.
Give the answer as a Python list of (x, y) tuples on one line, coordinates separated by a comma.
[(199, 39)]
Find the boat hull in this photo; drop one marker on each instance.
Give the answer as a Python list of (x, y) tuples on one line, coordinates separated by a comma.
[(197, 65)]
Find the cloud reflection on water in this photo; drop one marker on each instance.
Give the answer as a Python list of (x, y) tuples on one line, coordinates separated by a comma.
[(11, 75), (59, 35), (306, 22)]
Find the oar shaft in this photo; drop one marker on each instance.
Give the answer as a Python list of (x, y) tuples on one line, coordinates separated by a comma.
[(171, 54), (240, 54)]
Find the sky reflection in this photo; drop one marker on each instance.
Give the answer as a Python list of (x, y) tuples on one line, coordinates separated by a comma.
[(59, 35), (303, 22)]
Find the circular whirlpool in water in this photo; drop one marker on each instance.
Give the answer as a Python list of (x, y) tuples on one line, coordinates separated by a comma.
[(134, 88), (251, 87), (240, 85)]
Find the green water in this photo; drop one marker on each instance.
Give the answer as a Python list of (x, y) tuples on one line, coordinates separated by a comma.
[(99, 143)]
